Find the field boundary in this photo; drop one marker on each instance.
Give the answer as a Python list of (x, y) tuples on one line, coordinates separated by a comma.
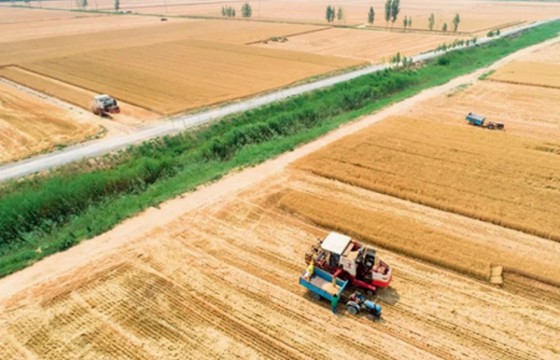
[(523, 83)]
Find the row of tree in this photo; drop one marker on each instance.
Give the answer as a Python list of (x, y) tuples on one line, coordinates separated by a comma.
[(229, 11), (392, 10), (331, 13)]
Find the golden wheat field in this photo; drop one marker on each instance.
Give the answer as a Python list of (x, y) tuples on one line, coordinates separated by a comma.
[(529, 73), (175, 76), (491, 176), (477, 16), (220, 281), (415, 230), (372, 46), (29, 126), (526, 111)]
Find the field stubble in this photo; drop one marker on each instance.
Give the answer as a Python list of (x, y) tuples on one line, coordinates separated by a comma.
[(222, 280), (491, 176)]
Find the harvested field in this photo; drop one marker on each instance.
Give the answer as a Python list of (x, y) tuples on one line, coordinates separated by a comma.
[(527, 111), (29, 126), (529, 73), (437, 237), (491, 176), (231, 32), (130, 114), (13, 15), (373, 46), (79, 24), (477, 16), (190, 73), (222, 281)]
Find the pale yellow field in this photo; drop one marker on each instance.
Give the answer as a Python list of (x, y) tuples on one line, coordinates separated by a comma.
[(171, 77), (373, 46), (487, 175), (527, 111), (529, 73), (29, 126), (31, 28), (477, 16)]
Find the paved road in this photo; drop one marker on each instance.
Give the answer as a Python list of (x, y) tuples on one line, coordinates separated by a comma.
[(176, 124)]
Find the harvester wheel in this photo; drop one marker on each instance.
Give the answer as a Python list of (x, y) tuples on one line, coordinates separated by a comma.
[(370, 292), (315, 296), (352, 309)]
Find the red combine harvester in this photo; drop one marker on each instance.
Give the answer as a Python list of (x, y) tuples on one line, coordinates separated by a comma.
[(349, 260)]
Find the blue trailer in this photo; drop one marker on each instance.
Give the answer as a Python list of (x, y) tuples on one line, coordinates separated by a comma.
[(476, 120), (479, 120), (321, 285)]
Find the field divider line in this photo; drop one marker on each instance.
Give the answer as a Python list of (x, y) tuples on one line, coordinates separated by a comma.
[(292, 35), (181, 123)]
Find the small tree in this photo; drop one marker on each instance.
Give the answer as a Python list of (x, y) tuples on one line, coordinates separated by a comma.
[(405, 22), (371, 15), (498, 32), (224, 11), (26, 2), (117, 5), (388, 6), (474, 40), (444, 28), (339, 14), (409, 22), (246, 10), (84, 4), (431, 21), (456, 21), (395, 9), (329, 15)]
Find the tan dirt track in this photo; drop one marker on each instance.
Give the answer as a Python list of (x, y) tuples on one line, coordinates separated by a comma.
[(215, 274), (29, 126)]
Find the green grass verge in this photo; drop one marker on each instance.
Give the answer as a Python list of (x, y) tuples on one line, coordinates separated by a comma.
[(45, 215)]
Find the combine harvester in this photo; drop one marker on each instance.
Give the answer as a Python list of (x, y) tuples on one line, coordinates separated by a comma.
[(479, 120), (347, 259), (104, 105)]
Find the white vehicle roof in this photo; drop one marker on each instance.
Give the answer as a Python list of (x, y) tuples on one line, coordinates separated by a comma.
[(336, 243), (102, 97)]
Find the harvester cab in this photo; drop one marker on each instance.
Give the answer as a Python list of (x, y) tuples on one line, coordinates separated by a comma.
[(343, 257), (104, 105)]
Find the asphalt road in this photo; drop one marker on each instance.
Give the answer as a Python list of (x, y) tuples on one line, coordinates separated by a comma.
[(175, 124)]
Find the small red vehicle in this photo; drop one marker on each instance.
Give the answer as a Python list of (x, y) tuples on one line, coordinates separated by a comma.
[(349, 260)]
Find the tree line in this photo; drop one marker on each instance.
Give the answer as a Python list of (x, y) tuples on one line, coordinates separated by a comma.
[(229, 11), (392, 11)]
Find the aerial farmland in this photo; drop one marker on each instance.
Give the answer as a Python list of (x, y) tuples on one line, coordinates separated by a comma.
[(196, 244)]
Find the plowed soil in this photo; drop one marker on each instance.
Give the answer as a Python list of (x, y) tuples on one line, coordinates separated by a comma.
[(29, 126)]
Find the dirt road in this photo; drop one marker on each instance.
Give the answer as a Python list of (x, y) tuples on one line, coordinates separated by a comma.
[(99, 147)]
